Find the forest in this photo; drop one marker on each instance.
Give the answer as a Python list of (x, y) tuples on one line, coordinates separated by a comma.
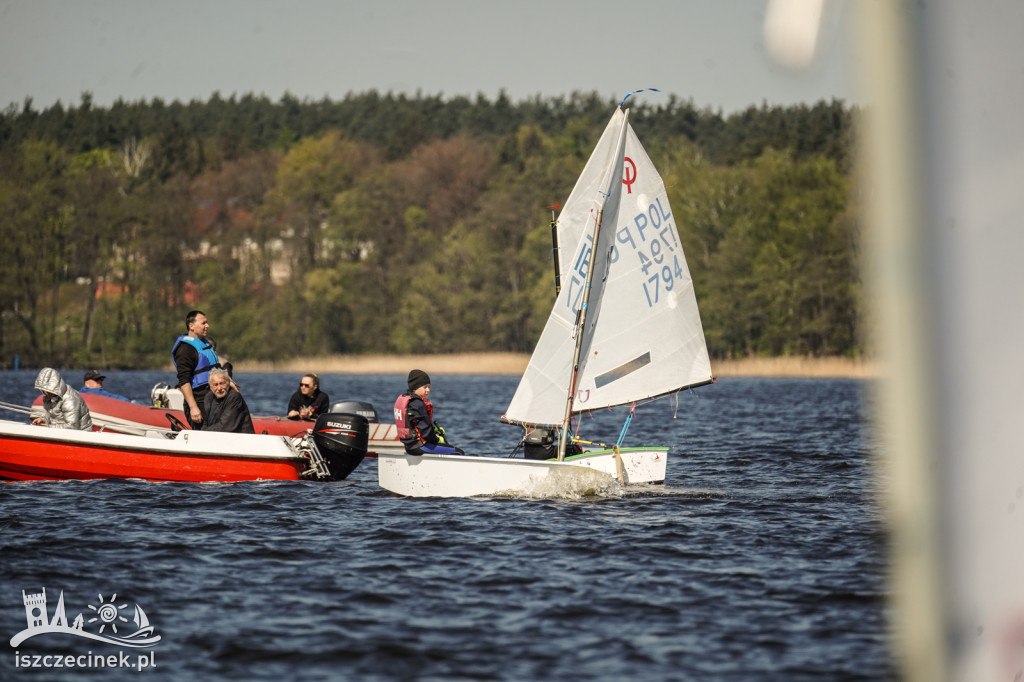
[(384, 223)]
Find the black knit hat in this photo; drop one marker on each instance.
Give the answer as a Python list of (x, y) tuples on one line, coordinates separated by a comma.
[(417, 378)]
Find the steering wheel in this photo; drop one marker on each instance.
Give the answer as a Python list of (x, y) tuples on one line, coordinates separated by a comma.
[(176, 424)]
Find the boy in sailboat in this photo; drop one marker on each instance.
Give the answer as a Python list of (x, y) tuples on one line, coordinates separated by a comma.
[(414, 417)]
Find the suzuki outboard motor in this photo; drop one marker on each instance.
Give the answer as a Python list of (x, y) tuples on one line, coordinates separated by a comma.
[(341, 439), (363, 409)]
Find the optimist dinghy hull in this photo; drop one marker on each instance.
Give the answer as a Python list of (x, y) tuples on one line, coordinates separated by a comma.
[(462, 476)]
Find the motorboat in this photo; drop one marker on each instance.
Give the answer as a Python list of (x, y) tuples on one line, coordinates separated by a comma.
[(329, 451), (166, 412)]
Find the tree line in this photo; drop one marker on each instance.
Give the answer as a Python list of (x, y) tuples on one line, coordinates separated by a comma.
[(386, 223)]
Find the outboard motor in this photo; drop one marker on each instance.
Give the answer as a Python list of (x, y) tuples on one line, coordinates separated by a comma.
[(166, 397), (341, 439), (363, 409)]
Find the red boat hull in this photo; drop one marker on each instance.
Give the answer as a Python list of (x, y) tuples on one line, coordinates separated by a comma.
[(30, 453)]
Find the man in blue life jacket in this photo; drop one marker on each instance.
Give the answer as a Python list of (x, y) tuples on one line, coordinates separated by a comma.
[(194, 356), (414, 417)]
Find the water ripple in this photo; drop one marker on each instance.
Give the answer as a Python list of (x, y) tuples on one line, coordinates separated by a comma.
[(761, 557)]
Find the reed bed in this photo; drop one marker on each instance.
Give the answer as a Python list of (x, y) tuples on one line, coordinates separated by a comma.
[(514, 364)]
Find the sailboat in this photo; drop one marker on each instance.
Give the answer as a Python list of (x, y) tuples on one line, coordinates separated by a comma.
[(624, 329)]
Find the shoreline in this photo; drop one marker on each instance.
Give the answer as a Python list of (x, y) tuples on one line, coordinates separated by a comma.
[(513, 364)]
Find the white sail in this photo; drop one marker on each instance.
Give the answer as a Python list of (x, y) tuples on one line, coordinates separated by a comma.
[(575, 215), (643, 336)]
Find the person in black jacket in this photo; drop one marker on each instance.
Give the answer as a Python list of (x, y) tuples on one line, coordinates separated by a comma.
[(414, 417), (194, 355), (309, 402), (225, 407)]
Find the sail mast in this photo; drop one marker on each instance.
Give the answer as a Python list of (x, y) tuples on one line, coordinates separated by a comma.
[(554, 249), (581, 319), (611, 187)]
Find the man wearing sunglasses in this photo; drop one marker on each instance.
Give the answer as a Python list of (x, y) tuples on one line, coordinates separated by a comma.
[(309, 402)]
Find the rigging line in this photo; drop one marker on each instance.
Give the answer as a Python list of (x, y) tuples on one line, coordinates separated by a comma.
[(625, 426), (518, 445), (15, 408), (650, 399), (575, 422)]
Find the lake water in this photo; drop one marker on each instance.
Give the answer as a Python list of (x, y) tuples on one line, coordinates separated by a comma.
[(762, 557)]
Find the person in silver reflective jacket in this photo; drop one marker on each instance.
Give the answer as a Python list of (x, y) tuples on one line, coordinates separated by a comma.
[(64, 407)]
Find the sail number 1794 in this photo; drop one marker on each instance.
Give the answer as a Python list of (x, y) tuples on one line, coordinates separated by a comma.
[(652, 236)]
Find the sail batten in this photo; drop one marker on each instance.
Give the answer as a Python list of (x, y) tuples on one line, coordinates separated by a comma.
[(622, 371), (642, 336), (505, 419)]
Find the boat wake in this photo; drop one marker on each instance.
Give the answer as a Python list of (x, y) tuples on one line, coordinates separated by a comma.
[(569, 483)]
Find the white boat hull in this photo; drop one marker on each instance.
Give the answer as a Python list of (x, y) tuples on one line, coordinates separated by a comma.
[(465, 476)]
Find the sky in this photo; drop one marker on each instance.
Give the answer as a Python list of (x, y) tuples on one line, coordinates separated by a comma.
[(712, 52)]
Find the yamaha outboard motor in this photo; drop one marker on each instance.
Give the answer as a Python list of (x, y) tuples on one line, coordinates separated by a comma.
[(341, 439), (363, 409)]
